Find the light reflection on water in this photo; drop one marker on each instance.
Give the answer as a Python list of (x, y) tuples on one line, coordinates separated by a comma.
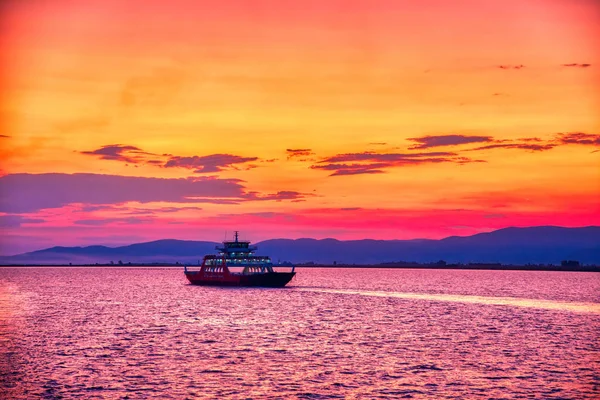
[(499, 301), (145, 333)]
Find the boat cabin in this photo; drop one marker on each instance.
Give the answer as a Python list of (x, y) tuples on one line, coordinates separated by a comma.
[(238, 253)]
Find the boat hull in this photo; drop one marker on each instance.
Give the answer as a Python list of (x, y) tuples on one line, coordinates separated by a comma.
[(269, 279)]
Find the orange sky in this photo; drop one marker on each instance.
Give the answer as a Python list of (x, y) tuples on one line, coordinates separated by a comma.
[(346, 119)]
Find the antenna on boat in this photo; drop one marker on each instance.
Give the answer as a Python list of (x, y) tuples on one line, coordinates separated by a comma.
[(236, 236)]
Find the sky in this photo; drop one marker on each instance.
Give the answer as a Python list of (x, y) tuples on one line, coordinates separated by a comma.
[(124, 122)]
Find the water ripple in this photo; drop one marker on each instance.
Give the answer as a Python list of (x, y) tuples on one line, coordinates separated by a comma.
[(145, 333)]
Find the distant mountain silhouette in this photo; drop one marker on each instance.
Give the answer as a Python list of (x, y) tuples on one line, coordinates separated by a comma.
[(537, 245)]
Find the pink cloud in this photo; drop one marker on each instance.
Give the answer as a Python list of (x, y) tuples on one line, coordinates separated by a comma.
[(23, 193)]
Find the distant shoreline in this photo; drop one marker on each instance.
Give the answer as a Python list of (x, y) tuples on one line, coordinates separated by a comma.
[(472, 266), (487, 267)]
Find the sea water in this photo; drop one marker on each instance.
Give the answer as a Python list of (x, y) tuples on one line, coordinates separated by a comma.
[(332, 333)]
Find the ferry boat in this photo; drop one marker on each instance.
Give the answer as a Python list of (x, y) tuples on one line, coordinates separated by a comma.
[(237, 255)]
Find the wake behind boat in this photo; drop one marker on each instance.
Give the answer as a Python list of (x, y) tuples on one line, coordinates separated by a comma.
[(237, 255)]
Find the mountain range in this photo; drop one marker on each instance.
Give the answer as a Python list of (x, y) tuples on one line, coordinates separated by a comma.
[(535, 245)]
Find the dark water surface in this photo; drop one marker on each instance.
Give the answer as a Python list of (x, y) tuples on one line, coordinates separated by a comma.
[(333, 333)]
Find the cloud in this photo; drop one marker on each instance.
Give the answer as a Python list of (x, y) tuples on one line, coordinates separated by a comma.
[(493, 216), (537, 144), (32, 192), (266, 214), (353, 169), (170, 209), (375, 163), (155, 162), (426, 142), (384, 157), (577, 65), (522, 146), (467, 160), (357, 171), (155, 211), (578, 138), (214, 201), (200, 164), (132, 210), (371, 162), (4, 136), (20, 193), (279, 196), (98, 207), (118, 152), (520, 66), (210, 163), (292, 153), (109, 221), (15, 221), (377, 143)]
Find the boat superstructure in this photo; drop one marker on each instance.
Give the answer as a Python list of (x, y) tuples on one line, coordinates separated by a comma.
[(237, 265)]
